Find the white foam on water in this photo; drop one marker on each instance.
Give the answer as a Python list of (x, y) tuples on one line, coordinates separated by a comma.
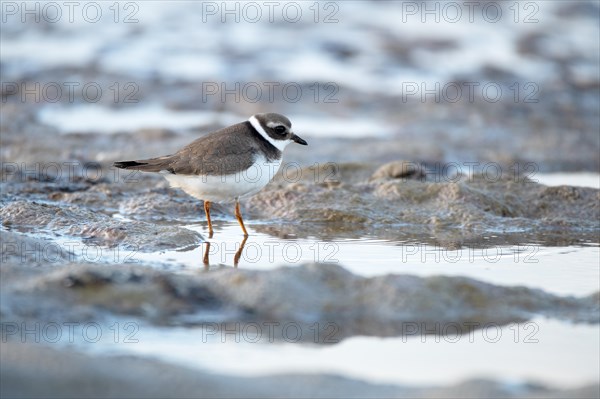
[(98, 119), (340, 127), (94, 118)]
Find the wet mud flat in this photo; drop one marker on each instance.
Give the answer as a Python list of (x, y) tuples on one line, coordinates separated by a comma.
[(545, 117), (398, 200), (85, 243), (392, 305), (71, 225), (45, 281)]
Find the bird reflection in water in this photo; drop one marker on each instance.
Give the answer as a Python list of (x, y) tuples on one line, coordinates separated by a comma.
[(236, 258)]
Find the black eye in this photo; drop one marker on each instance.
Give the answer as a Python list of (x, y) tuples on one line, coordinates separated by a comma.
[(280, 129)]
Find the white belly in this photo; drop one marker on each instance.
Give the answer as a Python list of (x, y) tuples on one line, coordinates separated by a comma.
[(228, 187)]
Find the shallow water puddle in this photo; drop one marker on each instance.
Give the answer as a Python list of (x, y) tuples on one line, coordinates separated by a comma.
[(548, 351), (580, 179), (569, 270)]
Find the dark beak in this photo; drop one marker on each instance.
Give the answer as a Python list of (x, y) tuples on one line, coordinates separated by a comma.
[(298, 140)]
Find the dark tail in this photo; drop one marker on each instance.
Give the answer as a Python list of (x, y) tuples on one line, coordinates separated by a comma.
[(128, 164), (146, 165)]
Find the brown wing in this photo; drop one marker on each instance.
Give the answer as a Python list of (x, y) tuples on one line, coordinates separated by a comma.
[(225, 151)]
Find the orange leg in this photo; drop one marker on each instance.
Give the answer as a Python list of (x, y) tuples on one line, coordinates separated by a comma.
[(238, 216), (207, 211)]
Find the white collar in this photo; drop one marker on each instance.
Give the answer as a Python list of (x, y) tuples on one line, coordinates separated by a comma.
[(279, 144)]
